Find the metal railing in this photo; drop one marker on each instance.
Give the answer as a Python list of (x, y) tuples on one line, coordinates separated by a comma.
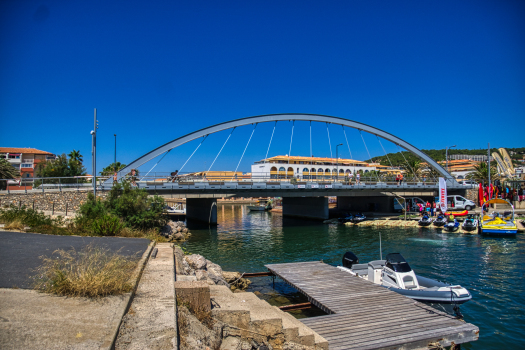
[(159, 179)]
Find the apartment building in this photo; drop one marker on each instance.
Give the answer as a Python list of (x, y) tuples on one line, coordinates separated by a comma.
[(25, 160)]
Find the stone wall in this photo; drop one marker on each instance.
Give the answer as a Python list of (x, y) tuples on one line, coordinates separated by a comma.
[(472, 194), (48, 200)]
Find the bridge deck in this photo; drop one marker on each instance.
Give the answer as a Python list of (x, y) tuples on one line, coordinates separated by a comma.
[(363, 315)]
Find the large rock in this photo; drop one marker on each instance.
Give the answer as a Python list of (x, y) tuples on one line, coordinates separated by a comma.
[(201, 275), (168, 229), (187, 269), (215, 273), (196, 261)]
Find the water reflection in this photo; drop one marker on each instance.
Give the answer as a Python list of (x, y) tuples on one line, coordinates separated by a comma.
[(491, 268)]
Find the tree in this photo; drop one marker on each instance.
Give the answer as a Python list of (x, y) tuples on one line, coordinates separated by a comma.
[(481, 174), (76, 156), (61, 167), (110, 169), (7, 171)]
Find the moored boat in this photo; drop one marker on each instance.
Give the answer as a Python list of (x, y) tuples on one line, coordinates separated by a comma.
[(396, 274), (357, 218), (451, 226), (440, 221), (498, 223), (470, 224), (458, 213), (425, 220)]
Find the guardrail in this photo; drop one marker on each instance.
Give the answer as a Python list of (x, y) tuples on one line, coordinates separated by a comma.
[(179, 182)]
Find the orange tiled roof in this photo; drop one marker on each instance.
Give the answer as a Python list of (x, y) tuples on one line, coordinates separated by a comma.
[(315, 159), (22, 150)]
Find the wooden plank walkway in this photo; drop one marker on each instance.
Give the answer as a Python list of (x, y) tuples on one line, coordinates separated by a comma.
[(363, 315)]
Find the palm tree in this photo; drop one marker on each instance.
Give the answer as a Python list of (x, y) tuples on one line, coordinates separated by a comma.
[(76, 156), (7, 171), (413, 167), (481, 174)]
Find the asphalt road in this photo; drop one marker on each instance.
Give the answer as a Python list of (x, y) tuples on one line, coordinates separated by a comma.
[(20, 252)]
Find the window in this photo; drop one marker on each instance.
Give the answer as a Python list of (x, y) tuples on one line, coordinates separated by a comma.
[(27, 165), (282, 169), (319, 170), (305, 170)]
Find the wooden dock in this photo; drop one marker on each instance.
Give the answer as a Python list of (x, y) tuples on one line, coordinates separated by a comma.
[(363, 315)]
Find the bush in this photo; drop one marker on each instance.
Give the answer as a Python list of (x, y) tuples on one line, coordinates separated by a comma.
[(19, 217), (92, 272), (107, 225), (135, 208)]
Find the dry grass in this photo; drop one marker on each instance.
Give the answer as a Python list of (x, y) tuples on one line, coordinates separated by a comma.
[(151, 234), (91, 272), (15, 225)]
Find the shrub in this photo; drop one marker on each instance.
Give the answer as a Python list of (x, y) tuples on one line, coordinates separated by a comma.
[(107, 225), (135, 207), (19, 217), (91, 272)]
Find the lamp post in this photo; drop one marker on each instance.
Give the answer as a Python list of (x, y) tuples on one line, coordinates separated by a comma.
[(446, 155), (115, 162), (94, 153), (337, 159)]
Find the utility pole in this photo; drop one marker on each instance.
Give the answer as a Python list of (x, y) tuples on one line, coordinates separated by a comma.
[(488, 163), (94, 152)]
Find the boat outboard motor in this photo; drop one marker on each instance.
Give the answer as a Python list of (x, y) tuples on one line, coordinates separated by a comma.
[(349, 259)]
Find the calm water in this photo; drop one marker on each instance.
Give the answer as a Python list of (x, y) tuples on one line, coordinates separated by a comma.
[(490, 268)]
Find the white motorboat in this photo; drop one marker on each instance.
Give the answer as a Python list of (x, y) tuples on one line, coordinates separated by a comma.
[(396, 274), (470, 224)]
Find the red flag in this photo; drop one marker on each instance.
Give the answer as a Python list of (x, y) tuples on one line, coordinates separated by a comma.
[(480, 195)]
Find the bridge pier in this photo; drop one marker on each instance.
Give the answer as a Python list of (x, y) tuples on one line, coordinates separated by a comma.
[(202, 209), (378, 204), (306, 207)]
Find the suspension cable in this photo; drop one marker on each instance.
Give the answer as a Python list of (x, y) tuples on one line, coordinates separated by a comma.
[(290, 151), (344, 131), (271, 138), (407, 162), (156, 164), (311, 155), (245, 148), (384, 151), (329, 144), (220, 151), (370, 157), (183, 165)]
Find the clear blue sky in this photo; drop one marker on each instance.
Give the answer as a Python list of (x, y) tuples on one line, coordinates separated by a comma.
[(435, 73)]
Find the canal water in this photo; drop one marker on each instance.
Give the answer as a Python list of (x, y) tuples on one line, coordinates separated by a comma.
[(490, 268)]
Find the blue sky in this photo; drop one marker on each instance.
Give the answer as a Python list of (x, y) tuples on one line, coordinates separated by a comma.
[(434, 73)]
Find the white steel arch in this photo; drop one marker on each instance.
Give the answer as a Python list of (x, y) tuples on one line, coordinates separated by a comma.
[(282, 117)]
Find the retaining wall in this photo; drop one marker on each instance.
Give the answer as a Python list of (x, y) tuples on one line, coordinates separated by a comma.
[(48, 200)]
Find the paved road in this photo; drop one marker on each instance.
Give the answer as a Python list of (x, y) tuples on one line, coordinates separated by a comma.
[(20, 252)]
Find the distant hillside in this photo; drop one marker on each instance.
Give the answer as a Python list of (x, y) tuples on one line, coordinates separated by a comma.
[(439, 155)]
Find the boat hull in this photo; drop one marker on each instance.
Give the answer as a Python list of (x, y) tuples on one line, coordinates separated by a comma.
[(432, 296), (499, 232), (256, 208)]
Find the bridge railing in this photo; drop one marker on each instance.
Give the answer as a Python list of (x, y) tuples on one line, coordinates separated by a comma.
[(57, 184)]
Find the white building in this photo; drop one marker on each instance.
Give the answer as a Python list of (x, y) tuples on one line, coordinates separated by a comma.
[(283, 167)]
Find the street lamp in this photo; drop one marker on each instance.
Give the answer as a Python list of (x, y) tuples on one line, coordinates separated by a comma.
[(337, 159), (115, 162), (94, 152), (446, 155)]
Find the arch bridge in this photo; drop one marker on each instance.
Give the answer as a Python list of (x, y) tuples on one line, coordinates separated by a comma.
[(202, 192)]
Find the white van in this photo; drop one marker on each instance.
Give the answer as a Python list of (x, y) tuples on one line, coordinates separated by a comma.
[(459, 202)]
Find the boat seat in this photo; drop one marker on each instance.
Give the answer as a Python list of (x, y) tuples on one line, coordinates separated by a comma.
[(486, 217), (409, 282)]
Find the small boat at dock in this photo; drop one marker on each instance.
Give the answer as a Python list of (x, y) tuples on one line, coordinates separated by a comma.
[(470, 224), (396, 274), (425, 220), (498, 223), (440, 221)]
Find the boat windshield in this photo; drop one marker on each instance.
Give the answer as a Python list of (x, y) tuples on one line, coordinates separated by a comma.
[(396, 262)]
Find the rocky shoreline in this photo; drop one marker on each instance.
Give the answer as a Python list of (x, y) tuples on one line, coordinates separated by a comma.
[(235, 319)]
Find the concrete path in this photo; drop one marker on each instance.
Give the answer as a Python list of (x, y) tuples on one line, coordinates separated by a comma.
[(32, 320), (150, 322), (20, 252)]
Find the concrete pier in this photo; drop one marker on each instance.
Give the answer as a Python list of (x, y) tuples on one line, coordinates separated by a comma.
[(306, 207), (202, 209)]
